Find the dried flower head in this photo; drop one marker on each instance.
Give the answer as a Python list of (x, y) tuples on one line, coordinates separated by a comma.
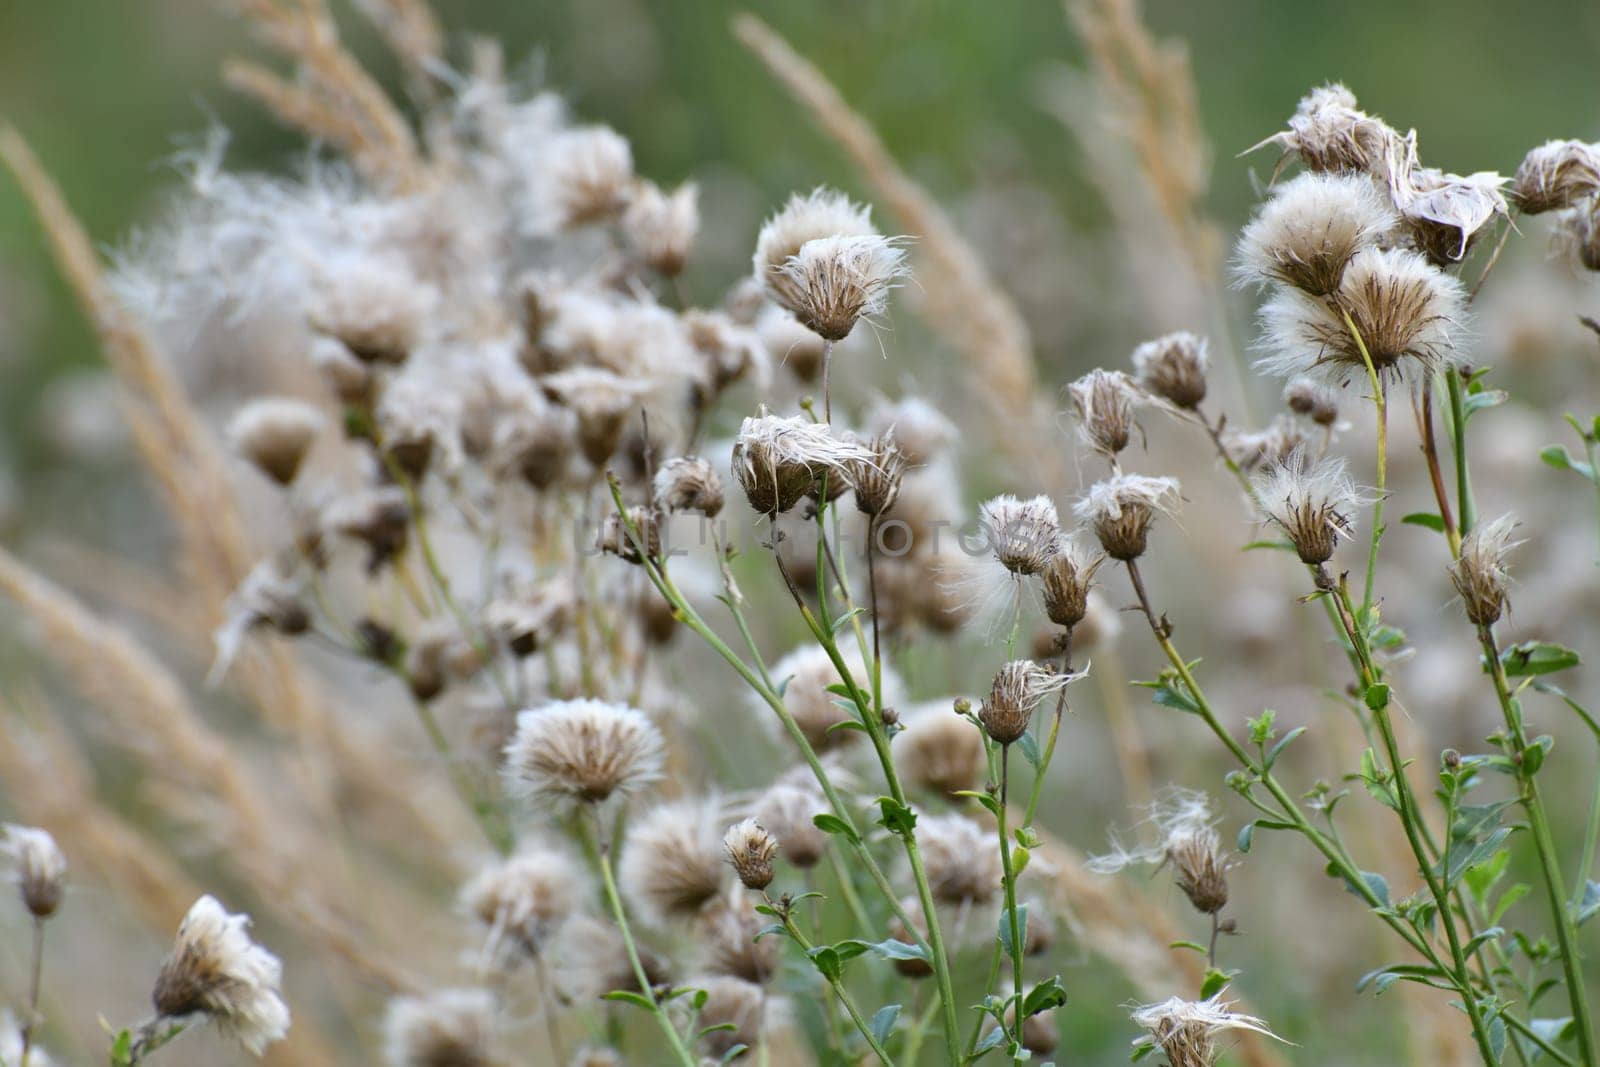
[(1578, 233), (778, 461), (1312, 399), (37, 866), (602, 401), (1121, 509), (1174, 368), (1306, 234), (269, 596), (962, 859), (582, 752), (834, 282), (1186, 1031), (1328, 132), (1556, 175), (450, 1028), (803, 219), (1262, 450), (750, 849), (1103, 402), (1024, 535), (728, 933), (617, 539), (1443, 213), (522, 901), (375, 310), (689, 483), (735, 1006), (922, 432), (1186, 838), (380, 518), (588, 176), (662, 226), (787, 810), (1479, 573), (216, 971), (940, 751), (1405, 309), (1313, 502), (877, 480), (1067, 581), (1101, 625), (1018, 688), (274, 434), (672, 860)]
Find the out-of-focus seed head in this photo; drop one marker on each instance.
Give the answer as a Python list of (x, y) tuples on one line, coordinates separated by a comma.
[(661, 227), (1188, 841), (732, 351), (1265, 450), (375, 310), (802, 219), (832, 283), (877, 480), (274, 434), (1101, 625), (1024, 535), (617, 540), (582, 752), (778, 461), (1103, 402), (535, 445), (1186, 1031), (602, 401), (732, 1014), (750, 848), (689, 483), (672, 860), (1556, 175), (1016, 692), (1444, 214), (1174, 368), (940, 751), (522, 901), (1406, 310), (787, 810), (794, 347), (1067, 580), (1329, 132), (962, 860), (1313, 400), (818, 713), (1312, 501), (1306, 234), (589, 175), (37, 866), (530, 621), (450, 1028), (922, 432), (728, 935), (350, 379), (1479, 573), (379, 518), (216, 971), (1121, 510), (1578, 233)]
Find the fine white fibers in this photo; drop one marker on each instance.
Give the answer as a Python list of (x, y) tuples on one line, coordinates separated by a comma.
[(582, 751), (217, 971), (1307, 232)]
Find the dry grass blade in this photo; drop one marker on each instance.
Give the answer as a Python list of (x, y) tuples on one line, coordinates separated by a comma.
[(298, 107), (959, 298)]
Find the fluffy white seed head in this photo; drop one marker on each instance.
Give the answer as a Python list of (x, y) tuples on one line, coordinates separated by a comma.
[(37, 866), (1407, 312), (1103, 402), (1313, 501), (582, 752), (834, 282), (787, 810), (778, 460), (1480, 574), (809, 672), (451, 1028), (1184, 836), (1067, 581), (1024, 535), (1186, 1031), (962, 859), (1329, 132), (922, 431), (673, 862), (217, 972), (1443, 214), (1121, 509), (377, 311), (750, 849), (1174, 368), (1306, 234), (940, 751), (661, 226), (587, 176), (1018, 688), (274, 434), (1556, 175), (521, 902), (804, 218)]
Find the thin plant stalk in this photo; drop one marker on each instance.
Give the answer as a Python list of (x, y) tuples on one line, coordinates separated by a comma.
[(1010, 884), (35, 976), (783, 911), (1381, 406)]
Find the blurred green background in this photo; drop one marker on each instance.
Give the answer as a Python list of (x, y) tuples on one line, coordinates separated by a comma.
[(104, 88)]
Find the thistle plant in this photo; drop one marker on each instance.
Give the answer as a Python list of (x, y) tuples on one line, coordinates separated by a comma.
[(583, 689)]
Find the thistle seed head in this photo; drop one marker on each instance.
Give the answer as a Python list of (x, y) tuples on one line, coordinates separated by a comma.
[(1017, 690), (728, 932), (1313, 502), (778, 461), (962, 859), (1306, 234), (877, 480), (1556, 175), (1174, 368), (588, 176), (672, 862), (787, 810), (1067, 581), (1121, 509), (451, 1028), (1186, 1031), (1103, 402), (274, 434), (1329, 132), (750, 849), (661, 227), (1024, 535), (1480, 574), (802, 219), (572, 752), (689, 483), (521, 902), (1313, 400), (940, 751), (834, 282), (38, 868), (215, 970)]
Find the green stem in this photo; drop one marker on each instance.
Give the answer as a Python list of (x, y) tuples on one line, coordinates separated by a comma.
[(1380, 403), (1010, 882), (602, 852), (484, 811), (1544, 843), (835, 984), (1050, 740), (1458, 439)]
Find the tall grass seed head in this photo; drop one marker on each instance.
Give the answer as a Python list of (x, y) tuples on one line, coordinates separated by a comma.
[(1121, 509), (37, 866), (215, 970), (1103, 402), (582, 752), (1479, 573), (750, 849), (1307, 232), (449, 1028), (275, 434), (1174, 368), (1407, 311), (1556, 175)]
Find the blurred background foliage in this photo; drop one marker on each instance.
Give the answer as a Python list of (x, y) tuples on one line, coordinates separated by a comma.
[(107, 89)]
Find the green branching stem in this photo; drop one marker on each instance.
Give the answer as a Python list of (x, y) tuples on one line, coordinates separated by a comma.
[(785, 914), (1381, 405), (1012, 920)]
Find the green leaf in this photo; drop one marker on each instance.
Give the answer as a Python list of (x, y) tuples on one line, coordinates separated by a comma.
[(1281, 546), (985, 799), (1497, 1037), (1425, 518), (844, 620), (1384, 977), (826, 959), (638, 1000), (1030, 750), (882, 1022), (1507, 899), (734, 1053), (1169, 696), (1377, 782), (1247, 832), (897, 818), (990, 1042), (1192, 946), (1276, 750), (1558, 457), (886, 950), (1046, 996), (1377, 696), (1589, 905), (1005, 928), (1214, 982), (1481, 938), (1377, 883), (1537, 657), (832, 824)]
